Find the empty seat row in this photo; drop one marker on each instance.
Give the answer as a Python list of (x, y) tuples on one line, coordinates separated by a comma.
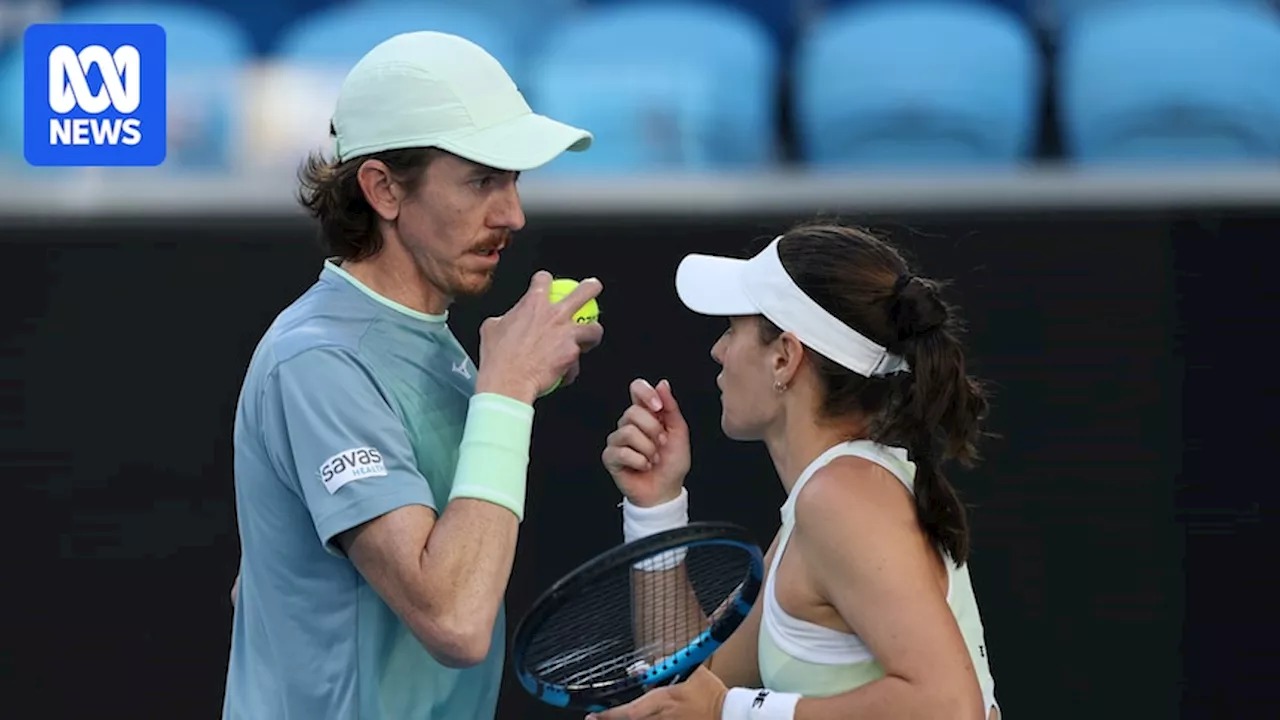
[(693, 86), (784, 19), (267, 22)]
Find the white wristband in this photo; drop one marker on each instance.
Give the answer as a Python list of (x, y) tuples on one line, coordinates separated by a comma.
[(756, 704), (638, 522)]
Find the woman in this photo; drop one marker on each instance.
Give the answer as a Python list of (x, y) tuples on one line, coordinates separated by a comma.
[(849, 368)]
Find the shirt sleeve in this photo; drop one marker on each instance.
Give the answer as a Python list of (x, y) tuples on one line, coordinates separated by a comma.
[(330, 427)]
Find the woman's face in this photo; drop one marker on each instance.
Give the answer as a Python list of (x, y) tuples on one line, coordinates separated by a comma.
[(748, 401)]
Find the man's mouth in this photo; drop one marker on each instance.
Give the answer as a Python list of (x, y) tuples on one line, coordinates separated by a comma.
[(489, 250)]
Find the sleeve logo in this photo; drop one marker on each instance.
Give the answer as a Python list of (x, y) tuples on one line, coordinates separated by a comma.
[(351, 465)]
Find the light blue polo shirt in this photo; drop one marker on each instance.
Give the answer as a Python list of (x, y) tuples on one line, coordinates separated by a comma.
[(353, 406)]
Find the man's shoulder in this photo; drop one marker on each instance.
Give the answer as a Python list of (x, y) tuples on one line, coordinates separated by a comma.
[(322, 319)]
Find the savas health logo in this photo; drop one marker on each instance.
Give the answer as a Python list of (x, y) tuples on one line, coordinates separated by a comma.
[(94, 95), (350, 465)]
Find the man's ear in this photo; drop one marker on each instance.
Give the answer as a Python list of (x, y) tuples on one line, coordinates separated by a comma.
[(380, 190)]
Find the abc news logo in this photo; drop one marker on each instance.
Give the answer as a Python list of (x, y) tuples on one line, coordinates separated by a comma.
[(69, 89), (94, 95)]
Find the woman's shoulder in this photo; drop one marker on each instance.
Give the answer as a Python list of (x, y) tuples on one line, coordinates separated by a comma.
[(853, 490)]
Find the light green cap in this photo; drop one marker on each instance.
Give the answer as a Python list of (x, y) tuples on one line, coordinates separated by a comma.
[(433, 89)]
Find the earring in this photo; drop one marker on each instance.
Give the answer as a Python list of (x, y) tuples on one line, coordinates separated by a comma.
[(779, 386)]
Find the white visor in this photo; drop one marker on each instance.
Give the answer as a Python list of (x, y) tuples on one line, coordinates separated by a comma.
[(727, 287)]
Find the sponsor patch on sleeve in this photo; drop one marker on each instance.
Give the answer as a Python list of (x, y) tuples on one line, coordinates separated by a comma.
[(351, 465)]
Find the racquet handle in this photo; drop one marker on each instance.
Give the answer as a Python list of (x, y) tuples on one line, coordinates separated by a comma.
[(682, 676)]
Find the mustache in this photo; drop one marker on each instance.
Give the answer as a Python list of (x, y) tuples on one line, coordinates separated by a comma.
[(500, 239)]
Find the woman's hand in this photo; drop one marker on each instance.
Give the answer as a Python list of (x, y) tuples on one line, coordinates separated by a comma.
[(648, 455), (701, 697)]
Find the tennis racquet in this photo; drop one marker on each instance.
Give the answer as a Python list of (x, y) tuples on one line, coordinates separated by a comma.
[(641, 615)]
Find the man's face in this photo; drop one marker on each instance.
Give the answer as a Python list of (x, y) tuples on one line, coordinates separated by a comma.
[(458, 222)]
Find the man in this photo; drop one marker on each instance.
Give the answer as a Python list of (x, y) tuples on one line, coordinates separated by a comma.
[(380, 476)]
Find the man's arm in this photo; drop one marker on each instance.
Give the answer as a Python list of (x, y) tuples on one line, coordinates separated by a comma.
[(445, 577), (443, 574)]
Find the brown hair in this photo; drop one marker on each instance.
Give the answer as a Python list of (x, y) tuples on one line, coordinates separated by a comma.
[(330, 191), (935, 410)]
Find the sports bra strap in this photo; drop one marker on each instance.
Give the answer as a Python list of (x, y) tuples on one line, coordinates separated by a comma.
[(893, 459)]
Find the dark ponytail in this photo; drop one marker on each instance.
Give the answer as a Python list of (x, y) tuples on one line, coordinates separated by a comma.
[(936, 410)]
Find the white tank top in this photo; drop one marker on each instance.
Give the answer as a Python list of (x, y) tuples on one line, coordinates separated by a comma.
[(797, 656)]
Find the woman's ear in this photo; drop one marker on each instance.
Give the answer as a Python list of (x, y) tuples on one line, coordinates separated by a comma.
[(787, 359)]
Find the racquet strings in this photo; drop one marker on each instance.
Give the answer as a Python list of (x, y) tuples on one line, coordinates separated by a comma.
[(625, 620)]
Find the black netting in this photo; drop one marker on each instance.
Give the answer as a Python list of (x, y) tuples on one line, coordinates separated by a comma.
[(630, 618)]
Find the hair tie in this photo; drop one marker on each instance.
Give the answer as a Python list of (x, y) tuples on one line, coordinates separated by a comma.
[(902, 282)]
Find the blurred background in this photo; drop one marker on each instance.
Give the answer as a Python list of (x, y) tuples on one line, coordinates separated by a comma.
[(1099, 178), (736, 86)]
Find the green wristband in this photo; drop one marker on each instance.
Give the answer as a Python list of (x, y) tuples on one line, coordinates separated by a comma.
[(493, 460)]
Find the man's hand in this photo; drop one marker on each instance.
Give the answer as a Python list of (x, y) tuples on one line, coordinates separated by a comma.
[(525, 351)]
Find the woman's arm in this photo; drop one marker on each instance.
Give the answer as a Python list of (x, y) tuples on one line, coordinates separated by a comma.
[(737, 661), (860, 541)]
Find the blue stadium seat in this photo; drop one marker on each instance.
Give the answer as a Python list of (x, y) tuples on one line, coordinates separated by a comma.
[(262, 21), (936, 84), (1195, 82), (11, 158), (205, 53), (780, 17), (663, 86), (1019, 7), (526, 21), (339, 36), (1063, 13)]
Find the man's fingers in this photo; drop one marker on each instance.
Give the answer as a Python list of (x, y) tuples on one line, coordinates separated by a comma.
[(586, 290), (540, 285), (588, 335), (642, 393), (571, 374)]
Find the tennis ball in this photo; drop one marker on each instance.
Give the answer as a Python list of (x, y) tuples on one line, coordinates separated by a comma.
[(588, 313), (561, 288)]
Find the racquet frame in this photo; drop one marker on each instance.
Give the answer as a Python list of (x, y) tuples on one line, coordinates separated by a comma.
[(673, 668)]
